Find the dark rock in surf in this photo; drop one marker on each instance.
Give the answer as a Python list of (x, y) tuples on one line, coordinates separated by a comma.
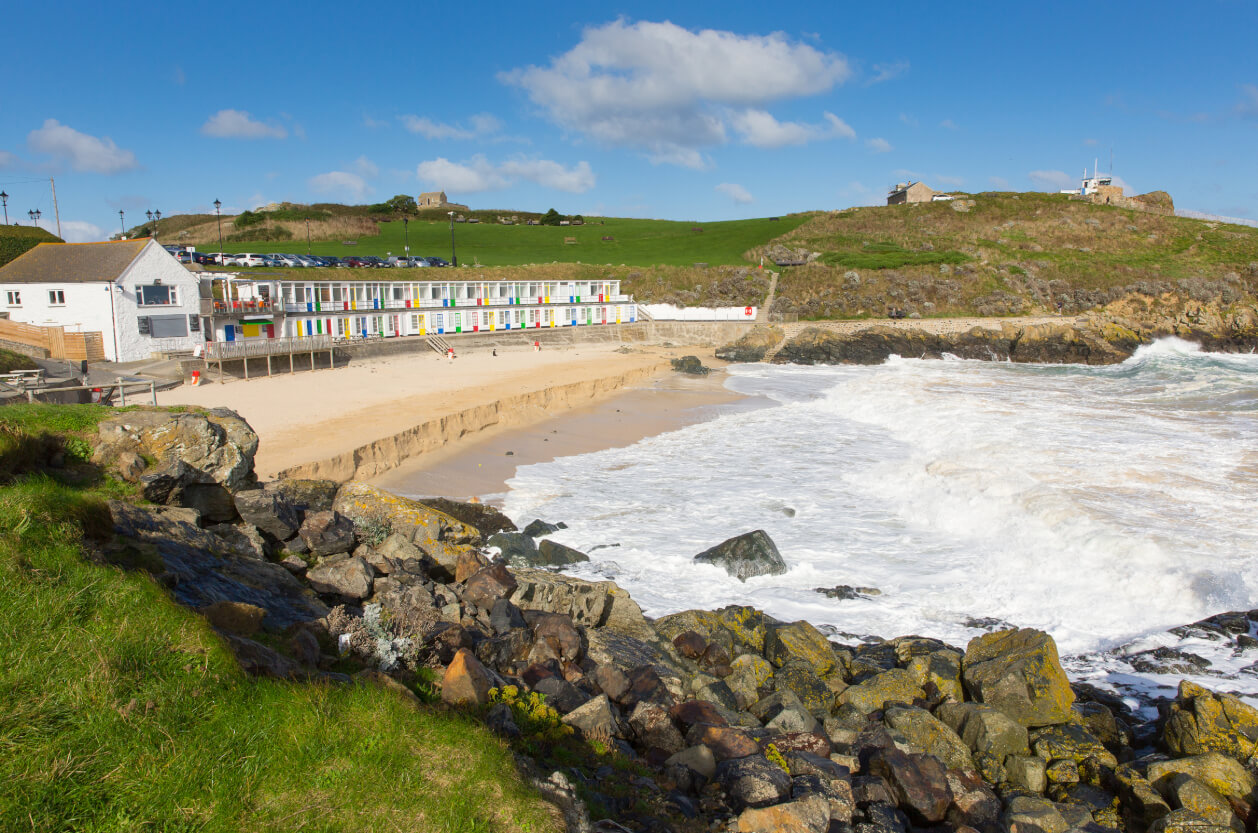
[(750, 554)]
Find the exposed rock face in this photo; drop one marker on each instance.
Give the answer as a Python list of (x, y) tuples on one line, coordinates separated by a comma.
[(690, 365), (753, 346), (590, 603), (743, 556), (1203, 721), (328, 533), (306, 495), (466, 680), (554, 554), (1019, 673), (270, 511), (217, 445), (347, 576), (441, 536)]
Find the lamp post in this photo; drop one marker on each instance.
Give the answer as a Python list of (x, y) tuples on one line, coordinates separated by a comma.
[(307, 235), (406, 230), (454, 256), (157, 219), (34, 215), (219, 217), (149, 214), (5, 199), (122, 223)]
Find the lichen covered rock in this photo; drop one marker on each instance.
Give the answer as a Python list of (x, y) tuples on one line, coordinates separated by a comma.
[(1018, 672)]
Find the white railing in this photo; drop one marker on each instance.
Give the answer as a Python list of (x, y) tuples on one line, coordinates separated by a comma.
[(317, 307), (257, 347)]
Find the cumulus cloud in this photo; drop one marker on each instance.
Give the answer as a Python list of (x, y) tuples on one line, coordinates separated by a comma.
[(1248, 106), (670, 91), (237, 124), (909, 120), (341, 184), (79, 231), (479, 174), (480, 126), (1052, 180), (879, 145), (887, 71), (81, 151), (365, 168), (10, 161), (737, 193), (760, 129)]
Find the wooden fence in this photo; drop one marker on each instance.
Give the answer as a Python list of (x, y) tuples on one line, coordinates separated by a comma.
[(58, 343)]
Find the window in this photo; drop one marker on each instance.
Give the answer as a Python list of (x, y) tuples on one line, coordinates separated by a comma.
[(13, 298), (57, 297), (156, 295), (168, 326)]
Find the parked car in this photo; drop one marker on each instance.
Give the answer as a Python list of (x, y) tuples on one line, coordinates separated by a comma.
[(329, 260), (290, 261), (249, 259), (437, 261), (373, 261), (354, 261)]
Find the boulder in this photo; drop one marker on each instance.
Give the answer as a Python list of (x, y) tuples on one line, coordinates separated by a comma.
[(561, 694), (784, 712), (1203, 721), (1186, 821), (726, 742), (505, 617), (166, 483), (439, 535), (799, 640), (328, 533), (1140, 800), (690, 365), (481, 517), (537, 528), (203, 568), (556, 637), (752, 346), (234, 617), (216, 445), (991, 735), (489, 584), (939, 675), (1188, 793), (129, 466), (808, 814), (698, 758), (1018, 672), (1027, 772), (752, 782), (347, 576), (257, 660), (751, 677), (747, 555), (518, 549), (306, 495), (731, 627), (974, 805), (919, 782), (1031, 814), (243, 540), (553, 554), (1222, 773), (269, 511), (894, 686), (654, 728), (927, 733), (213, 501), (595, 720), (800, 676), (1070, 741), (593, 604), (466, 681)]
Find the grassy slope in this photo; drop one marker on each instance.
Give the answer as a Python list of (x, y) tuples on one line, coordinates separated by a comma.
[(14, 240), (10, 361), (1009, 253), (121, 711)]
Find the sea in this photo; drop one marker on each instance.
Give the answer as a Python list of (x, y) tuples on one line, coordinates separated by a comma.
[(1105, 505)]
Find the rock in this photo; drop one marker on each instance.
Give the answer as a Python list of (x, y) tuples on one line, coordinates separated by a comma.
[(441, 536), (488, 585), (732, 627), (257, 660), (1063, 771), (1188, 793), (562, 695), (690, 644), (726, 742), (243, 540), (799, 676), (784, 712), (306, 496), (166, 484), (1203, 721), (129, 466), (747, 555), (654, 728), (691, 712), (234, 617), (894, 686), (1222, 773), (646, 686), (813, 743), (611, 681), (595, 720), (556, 637), (1027, 772), (654, 671), (216, 446), (1186, 821), (990, 734), (690, 365), (346, 576), (939, 675), (269, 511), (1141, 801), (466, 681), (1072, 742), (1027, 814), (810, 814), (752, 782), (752, 346), (210, 499), (517, 548), (592, 604), (294, 564), (847, 593), (919, 782), (203, 569), (479, 516), (328, 533), (751, 677), (926, 733), (505, 617), (974, 805), (799, 640), (698, 758), (538, 528), (553, 554), (1019, 673)]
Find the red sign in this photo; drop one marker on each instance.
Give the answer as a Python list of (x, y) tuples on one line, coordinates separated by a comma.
[(747, 311)]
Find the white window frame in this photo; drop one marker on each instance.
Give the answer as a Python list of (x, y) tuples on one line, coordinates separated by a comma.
[(174, 296), (56, 297), (13, 297)]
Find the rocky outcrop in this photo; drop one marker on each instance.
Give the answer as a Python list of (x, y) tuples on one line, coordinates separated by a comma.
[(1018, 672), (690, 365), (753, 346), (215, 446), (747, 555)]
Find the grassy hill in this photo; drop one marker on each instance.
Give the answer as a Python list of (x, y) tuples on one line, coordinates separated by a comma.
[(1009, 254), (16, 240), (122, 711)]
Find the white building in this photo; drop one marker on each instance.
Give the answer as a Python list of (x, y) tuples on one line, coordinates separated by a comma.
[(133, 292)]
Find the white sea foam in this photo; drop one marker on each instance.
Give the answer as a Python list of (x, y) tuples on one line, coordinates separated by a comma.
[(1101, 504)]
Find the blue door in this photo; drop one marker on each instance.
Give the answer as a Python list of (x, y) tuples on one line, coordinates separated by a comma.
[(229, 332)]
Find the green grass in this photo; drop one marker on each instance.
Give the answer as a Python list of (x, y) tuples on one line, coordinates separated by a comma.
[(11, 361), (640, 242), (890, 256), (122, 711)]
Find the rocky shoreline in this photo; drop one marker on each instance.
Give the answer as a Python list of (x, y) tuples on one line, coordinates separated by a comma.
[(699, 720)]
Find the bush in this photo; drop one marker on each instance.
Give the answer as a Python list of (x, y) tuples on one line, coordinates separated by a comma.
[(248, 218), (17, 240)]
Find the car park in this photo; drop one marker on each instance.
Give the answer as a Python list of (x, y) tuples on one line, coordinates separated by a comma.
[(437, 261), (249, 259)]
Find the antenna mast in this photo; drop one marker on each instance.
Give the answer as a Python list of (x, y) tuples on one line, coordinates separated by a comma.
[(55, 209)]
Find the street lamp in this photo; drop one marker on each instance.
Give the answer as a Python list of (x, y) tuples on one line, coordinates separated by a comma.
[(34, 215), (307, 235), (122, 223), (5, 199), (406, 229), (219, 217), (157, 218), (454, 256)]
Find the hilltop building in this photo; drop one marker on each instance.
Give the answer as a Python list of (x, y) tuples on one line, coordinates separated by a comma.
[(133, 293), (1101, 190), (906, 192), (437, 199)]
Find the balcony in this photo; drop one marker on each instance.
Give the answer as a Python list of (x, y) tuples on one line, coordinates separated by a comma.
[(253, 348), (240, 308)]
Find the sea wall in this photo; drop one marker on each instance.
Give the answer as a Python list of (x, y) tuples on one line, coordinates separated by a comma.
[(517, 410)]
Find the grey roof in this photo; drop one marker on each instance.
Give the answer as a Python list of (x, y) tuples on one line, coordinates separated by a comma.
[(73, 262)]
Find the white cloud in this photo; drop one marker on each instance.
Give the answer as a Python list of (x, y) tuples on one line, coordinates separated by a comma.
[(479, 174), (954, 181), (340, 184), (998, 182), (368, 121), (237, 124), (365, 168), (760, 129), (81, 151), (669, 91), (10, 161), (909, 120), (1052, 180), (948, 124), (879, 145), (887, 71), (1248, 106), (79, 231), (482, 125), (737, 193)]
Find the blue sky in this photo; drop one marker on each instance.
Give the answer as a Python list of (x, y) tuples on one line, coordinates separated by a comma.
[(705, 111)]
